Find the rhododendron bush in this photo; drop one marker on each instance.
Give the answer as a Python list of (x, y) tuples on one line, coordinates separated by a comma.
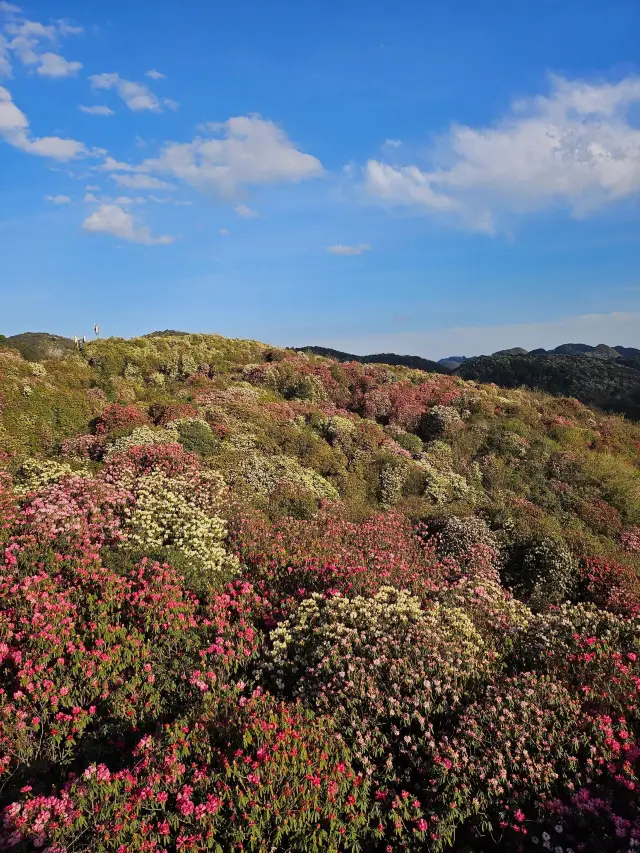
[(253, 600)]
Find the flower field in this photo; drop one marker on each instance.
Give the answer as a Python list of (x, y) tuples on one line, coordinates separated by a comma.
[(258, 600)]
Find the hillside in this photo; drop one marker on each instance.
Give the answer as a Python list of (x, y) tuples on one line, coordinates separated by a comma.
[(260, 600), (415, 362), (38, 346), (611, 385)]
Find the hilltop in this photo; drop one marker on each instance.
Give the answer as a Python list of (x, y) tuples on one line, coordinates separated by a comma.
[(39, 346), (593, 378), (259, 599), (415, 362)]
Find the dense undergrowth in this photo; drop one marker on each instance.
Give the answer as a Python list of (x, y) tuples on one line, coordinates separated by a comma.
[(254, 600)]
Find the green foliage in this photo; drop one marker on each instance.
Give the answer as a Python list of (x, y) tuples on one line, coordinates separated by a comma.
[(196, 436)]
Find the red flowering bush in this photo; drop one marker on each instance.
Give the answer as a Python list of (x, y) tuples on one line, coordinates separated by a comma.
[(117, 418), (244, 772), (327, 553), (162, 414), (610, 586)]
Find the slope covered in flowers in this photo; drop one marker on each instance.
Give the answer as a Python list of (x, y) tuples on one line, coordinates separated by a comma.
[(254, 600)]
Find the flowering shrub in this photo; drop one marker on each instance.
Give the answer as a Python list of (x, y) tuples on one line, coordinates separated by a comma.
[(179, 514), (245, 772), (116, 418), (340, 656), (609, 585), (542, 571), (264, 616), (143, 436), (266, 473), (36, 473)]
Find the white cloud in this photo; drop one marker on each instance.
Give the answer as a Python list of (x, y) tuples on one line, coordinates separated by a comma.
[(26, 37), (111, 165), (55, 147), (58, 199), (14, 129), (124, 200), (5, 61), (97, 110), (92, 188), (25, 44), (348, 250), (245, 150), (225, 232), (9, 8), (168, 200), (392, 143), (136, 96), (66, 28), (54, 65), (155, 75), (90, 198), (112, 219), (618, 328), (575, 147), (141, 182), (246, 212)]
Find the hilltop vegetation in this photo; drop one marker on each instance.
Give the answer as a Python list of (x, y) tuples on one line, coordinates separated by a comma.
[(415, 362), (595, 379), (260, 600), (39, 346)]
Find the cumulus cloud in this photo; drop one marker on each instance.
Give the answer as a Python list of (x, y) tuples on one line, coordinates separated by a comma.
[(576, 147), (25, 44), (54, 65), (9, 8), (136, 96), (58, 199), (141, 182), (97, 110), (112, 219), (245, 212), (14, 129), (155, 75), (348, 250), (243, 151), (111, 165)]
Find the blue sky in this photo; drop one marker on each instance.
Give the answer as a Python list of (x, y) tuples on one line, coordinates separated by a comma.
[(428, 178)]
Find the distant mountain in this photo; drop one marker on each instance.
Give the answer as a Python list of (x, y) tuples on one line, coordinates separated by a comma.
[(452, 362), (628, 352), (39, 346), (415, 362), (573, 349), (512, 351), (597, 381)]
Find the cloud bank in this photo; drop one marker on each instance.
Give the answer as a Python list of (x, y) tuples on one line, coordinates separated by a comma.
[(576, 147)]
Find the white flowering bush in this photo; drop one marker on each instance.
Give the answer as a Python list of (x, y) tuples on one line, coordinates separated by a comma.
[(266, 473), (438, 421), (542, 571), (392, 478), (384, 667), (142, 436), (35, 474), (169, 513), (445, 486)]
